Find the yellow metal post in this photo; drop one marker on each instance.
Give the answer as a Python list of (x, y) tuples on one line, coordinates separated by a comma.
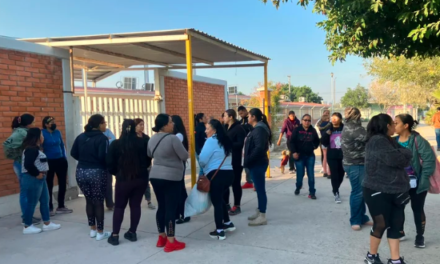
[(266, 110), (192, 140)]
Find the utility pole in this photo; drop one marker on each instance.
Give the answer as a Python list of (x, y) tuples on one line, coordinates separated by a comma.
[(332, 88), (288, 76)]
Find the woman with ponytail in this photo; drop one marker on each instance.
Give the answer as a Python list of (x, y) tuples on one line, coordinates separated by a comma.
[(200, 120), (90, 150), (12, 148)]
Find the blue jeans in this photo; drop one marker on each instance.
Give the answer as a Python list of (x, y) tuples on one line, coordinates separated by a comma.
[(36, 191), (23, 202), (357, 204), (302, 164), (437, 136), (258, 174)]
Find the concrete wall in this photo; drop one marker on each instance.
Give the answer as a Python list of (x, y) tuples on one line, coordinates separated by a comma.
[(32, 80)]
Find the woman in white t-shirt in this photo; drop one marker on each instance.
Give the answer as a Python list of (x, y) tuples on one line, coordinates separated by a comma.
[(180, 132)]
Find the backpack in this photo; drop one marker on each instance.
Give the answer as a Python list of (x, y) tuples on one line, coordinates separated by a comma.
[(434, 180)]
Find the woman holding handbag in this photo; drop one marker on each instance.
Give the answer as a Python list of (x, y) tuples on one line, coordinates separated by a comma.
[(166, 175), (216, 162), (419, 173)]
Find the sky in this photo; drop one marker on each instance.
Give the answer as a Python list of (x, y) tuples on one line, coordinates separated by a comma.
[(288, 36)]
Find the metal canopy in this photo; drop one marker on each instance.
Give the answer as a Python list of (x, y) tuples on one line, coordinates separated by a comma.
[(103, 55)]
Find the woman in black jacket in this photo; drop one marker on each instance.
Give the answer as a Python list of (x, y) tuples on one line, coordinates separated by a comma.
[(303, 143), (127, 159), (200, 137), (90, 150), (332, 139), (256, 145), (236, 134)]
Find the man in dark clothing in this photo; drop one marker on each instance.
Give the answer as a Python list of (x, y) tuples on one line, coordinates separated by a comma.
[(243, 113), (289, 126)]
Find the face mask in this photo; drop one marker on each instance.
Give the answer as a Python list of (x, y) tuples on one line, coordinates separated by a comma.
[(53, 127)]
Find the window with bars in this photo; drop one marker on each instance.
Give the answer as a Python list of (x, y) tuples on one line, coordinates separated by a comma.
[(130, 83)]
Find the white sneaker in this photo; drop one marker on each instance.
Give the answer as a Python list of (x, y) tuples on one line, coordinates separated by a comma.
[(103, 235), (403, 238), (93, 233), (337, 199), (31, 230), (51, 226)]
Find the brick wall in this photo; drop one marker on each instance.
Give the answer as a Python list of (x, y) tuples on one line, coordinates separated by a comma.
[(29, 83), (208, 98)]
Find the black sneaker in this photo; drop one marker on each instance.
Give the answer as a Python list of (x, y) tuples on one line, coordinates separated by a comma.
[(235, 210), (229, 228), (130, 236), (312, 196), (402, 261), (183, 220), (297, 191), (374, 259), (420, 242), (216, 235), (113, 240)]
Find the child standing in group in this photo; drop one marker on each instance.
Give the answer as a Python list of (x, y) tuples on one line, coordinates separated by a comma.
[(284, 159)]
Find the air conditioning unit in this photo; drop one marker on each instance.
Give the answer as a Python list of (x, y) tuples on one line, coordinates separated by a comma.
[(302, 99), (232, 90), (148, 87)]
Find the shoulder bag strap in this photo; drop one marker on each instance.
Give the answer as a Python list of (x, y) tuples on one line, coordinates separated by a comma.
[(213, 176), (154, 150)]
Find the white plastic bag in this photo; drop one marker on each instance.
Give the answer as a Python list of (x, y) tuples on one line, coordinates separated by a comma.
[(197, 203)]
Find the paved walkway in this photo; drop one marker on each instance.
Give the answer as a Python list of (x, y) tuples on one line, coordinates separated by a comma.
[(300, 231)]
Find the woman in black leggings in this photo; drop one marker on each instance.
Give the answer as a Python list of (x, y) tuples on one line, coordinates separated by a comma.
[(237, 134), (386, 186), (216, 159), (166, 177), (127, 159), (90, 150)]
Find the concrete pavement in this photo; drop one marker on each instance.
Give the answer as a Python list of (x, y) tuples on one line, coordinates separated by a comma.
[(299, 231)]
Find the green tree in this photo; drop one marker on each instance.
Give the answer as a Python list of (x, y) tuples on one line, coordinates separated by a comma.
[(370, 28), (357, 97), (300, 91)]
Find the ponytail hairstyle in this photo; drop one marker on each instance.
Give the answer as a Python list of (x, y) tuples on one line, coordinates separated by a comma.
[(22, 121), (259, 116), (180, 128), (160, 121), (94, 122), (32, 138), (129, 142), (222, 137), (407, 119), (198, 117), (231, 113), (378, 125)]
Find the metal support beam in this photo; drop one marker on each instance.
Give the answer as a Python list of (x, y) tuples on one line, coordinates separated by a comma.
[(266, 110), (181, 67), (119, 55), (99, 62), (111, 40), (103, 76), (86, 104), (170, 52), (72, 69), (192, 144)]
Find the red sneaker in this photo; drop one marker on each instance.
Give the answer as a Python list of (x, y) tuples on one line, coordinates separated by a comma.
[(161, 242), (175, 246), (247, 186)]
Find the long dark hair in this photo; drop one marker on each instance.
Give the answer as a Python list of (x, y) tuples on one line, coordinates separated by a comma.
[(32, 138), (197, 118), (22, 121), (378, 125), (180, 128), (129, 145), (94, 122), (223, 139), (231, 113), (407, 119), (160, 121), (261, 117)]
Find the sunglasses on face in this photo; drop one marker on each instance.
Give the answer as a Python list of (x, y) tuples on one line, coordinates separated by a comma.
[(307, 120)]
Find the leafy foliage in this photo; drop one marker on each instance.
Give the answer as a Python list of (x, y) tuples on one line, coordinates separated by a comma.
[(357, 97), (370, 28), (301, 91)]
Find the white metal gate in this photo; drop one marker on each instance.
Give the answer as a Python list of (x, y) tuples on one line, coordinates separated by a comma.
[(116, 108)]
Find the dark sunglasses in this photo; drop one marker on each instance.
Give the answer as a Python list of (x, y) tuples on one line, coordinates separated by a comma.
[(307, 120)]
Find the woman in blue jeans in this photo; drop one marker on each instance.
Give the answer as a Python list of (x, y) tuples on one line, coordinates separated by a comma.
[(256, 145), (303, 143), (353, 141), (33, 183)]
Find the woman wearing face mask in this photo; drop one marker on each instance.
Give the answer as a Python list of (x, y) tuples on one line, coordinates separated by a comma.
[(55, 151), (332, 139), (418, 172), (386, 186)]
